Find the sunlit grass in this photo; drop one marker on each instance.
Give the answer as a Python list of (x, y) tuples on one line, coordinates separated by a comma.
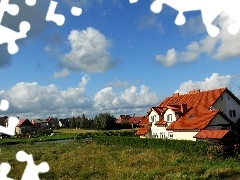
[(75, 160)]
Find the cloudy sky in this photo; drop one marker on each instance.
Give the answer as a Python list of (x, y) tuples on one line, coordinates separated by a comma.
[(115, 57)]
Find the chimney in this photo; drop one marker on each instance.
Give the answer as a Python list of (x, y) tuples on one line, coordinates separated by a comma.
[(183, 108), (195, 91), (175, 94)]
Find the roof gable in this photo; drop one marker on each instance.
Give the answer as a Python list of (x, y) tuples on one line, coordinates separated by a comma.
[(203, 99)]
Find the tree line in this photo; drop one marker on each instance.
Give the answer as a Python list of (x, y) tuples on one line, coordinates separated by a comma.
[(103, 121)]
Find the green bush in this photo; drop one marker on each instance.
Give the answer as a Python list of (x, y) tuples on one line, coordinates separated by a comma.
[(191, 147), (106, 134), (42, 132)]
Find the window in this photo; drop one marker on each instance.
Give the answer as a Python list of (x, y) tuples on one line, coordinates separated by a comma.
[(170, 135), (232, 113), (153, 118), (155, 135), (221, 98), (162, 135), (169, 118)]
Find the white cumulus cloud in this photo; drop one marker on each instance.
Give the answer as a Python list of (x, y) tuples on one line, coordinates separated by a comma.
[(88, 51), (61, 74), (107, 99), (222, 47), (213, 82), (34, 100)]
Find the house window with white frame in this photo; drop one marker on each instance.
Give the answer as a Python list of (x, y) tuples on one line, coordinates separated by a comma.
[(155, 135), (170, 135), (169, 118), (232, 113), (162, 135), (153, 118)]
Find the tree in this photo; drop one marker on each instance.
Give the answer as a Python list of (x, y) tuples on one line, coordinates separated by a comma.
[(104, 121)]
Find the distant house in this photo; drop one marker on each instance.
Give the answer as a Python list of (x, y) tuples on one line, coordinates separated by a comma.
[(123, 119), (145, 128), (39, 123), (25, 126), (194, 116), (63, 123), (52, 122), (135, 120), (3, 121)]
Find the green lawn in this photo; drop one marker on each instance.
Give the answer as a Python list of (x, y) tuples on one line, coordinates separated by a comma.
[(83, 130), (73, 131), (76, 161)]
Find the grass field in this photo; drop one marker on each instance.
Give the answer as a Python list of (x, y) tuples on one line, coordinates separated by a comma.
[(76, 161), (63, 131), (83, 130)]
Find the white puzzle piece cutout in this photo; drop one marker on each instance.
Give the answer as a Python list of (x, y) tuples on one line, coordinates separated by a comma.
[(4, 170), (12, 121), (8, 35), (210, 10), (59, 19), (31, 171), (76, 11)]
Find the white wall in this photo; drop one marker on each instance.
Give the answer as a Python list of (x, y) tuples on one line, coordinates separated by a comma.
[(174, 116), (228, 103), (184, 135)]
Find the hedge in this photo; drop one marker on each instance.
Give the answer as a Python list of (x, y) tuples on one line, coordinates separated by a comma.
[(196, 147)]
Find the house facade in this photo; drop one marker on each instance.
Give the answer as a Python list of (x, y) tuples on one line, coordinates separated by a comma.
[(39, 123), (24, 126), (194, 115)]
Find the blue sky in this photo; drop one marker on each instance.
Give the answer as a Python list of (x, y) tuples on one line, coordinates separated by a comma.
[(115, 57)]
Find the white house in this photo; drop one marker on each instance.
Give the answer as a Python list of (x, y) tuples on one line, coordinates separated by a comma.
[(184, 117)]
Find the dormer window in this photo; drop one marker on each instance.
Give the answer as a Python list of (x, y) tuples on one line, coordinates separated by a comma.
[(169, 118), (154, 118), (232, 113)]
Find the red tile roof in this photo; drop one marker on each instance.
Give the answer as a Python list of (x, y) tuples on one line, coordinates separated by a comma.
[(175, 108), (193, 120), (203, 99), (143, 131), (158, 110), (135, 120), (211, 134), (123, 119), (161, 122), (20, 122), (145, 121), (198, 115)]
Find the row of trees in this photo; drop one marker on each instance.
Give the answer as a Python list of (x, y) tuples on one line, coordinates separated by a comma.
[(103, 121)]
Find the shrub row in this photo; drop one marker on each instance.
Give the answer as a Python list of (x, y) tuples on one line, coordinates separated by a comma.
[(191, 147), (105, 133)]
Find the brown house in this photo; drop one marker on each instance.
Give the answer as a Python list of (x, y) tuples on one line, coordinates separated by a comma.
[(24, 126), (3, 121)]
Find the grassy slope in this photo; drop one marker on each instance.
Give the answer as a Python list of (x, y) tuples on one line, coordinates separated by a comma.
[(77, 161)]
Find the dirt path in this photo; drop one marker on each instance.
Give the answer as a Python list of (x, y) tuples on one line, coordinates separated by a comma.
[(236, 177)]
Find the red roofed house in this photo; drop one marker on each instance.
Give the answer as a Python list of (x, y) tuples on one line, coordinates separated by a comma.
[(197, 115), (123, 119), (135, 120), (145, 128), (24, 126)]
